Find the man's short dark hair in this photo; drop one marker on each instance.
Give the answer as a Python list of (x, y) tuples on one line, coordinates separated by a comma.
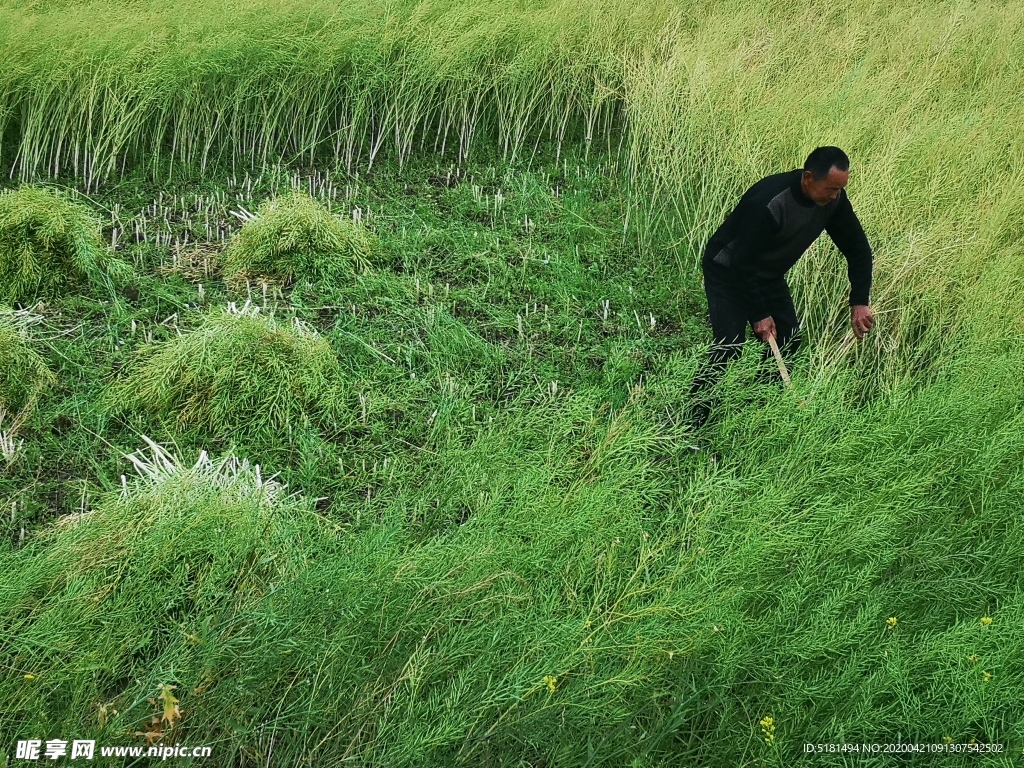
[(823, 159)]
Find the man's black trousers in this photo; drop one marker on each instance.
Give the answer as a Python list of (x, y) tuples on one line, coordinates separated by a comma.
[(728, 316)]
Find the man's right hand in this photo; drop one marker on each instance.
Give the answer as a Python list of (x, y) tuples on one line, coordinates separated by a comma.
[(765, 328)]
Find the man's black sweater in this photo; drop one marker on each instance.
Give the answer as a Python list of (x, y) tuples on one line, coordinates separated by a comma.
[(772, 226)]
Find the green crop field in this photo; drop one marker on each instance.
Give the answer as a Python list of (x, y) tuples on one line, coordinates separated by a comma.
[(344, 360)]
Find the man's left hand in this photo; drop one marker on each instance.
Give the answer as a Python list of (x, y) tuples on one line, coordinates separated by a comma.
[(862, 319)]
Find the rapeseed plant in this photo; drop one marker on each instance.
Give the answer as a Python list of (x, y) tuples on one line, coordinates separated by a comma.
[(296, 237), (239, 374), (413, 627), (24, 374), (48, 244)]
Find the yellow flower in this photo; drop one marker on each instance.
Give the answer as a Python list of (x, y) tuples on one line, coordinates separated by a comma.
[(30, 677), (767, 724), (987, 676), (947, 739), (891, 622), (550, 681), (973, 659), (985, 621)]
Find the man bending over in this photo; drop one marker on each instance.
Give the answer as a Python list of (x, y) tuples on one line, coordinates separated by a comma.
[(746, 261)]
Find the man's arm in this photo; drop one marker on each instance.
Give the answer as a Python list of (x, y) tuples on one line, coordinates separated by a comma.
[(754, 229), (846, 232)]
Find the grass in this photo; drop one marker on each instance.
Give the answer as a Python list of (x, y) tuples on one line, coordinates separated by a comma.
[(487, 540), (676, 632)]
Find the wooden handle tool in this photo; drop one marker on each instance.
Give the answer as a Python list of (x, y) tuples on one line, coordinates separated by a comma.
[(778, 359)]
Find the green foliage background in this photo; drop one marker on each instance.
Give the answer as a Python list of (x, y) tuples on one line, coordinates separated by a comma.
[(501, 549)]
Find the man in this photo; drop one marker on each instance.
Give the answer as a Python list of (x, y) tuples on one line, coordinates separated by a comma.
[(746, 261)]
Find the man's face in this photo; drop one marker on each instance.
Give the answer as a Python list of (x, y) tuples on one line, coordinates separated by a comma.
[(824, 191)]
